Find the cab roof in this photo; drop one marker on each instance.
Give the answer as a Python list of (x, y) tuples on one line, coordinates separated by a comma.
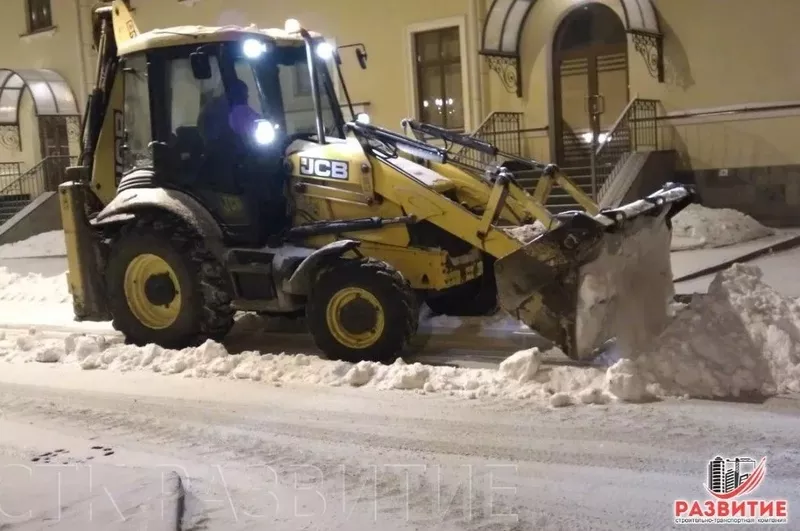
[(183, 35)]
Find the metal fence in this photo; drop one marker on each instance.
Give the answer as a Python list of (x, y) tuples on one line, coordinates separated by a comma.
[(635, 130), (9, 172), (43, 177)]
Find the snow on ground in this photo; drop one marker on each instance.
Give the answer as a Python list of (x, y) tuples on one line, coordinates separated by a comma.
[(500, 322), (779, 271), (45, 244), (519, 376), (743, 337), (698, 226), (33, 288)]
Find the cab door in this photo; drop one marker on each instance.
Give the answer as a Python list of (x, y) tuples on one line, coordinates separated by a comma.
[(198, 151)]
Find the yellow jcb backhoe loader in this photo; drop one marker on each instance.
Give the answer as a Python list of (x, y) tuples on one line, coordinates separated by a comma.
[(218, 174)]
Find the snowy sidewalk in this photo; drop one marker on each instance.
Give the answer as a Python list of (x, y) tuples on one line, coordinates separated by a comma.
[(694, 260), (80, 486), (780, 271)]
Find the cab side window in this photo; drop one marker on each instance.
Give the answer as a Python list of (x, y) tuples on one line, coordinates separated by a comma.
[(134, 125), (197, 112)]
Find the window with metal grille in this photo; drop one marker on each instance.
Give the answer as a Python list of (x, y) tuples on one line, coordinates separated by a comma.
[(40, 16), (439, 77)]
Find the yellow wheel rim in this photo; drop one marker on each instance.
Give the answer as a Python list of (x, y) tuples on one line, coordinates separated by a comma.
[(336, 317), (143, 272)]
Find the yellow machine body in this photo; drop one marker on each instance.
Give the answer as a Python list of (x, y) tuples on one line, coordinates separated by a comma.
[(540, 281)]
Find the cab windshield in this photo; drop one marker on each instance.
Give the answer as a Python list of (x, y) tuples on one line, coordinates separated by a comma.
[(296, 93), (281, 85)]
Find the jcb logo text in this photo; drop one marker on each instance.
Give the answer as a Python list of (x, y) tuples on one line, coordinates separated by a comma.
[(332, 169)]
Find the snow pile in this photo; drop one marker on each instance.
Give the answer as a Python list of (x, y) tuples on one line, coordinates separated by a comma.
[(697, 226), (743, 337), (501, 323), (625, 291), (45, 244), (520, 376), (33, 287)]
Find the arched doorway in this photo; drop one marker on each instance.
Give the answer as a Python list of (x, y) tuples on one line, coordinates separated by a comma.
[(590, 70)]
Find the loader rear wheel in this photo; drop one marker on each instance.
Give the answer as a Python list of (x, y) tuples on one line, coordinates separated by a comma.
[(165, 288), (362, 310)]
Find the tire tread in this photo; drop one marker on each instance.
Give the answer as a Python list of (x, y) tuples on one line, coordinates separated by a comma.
[(216, 314)]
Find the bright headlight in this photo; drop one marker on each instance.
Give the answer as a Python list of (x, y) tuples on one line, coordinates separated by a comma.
[(325, 50), (265, 132), (254, 48)]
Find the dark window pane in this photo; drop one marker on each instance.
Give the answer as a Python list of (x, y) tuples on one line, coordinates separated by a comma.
[(453, 101), (451, 45), (427, 46), (591, 25), (439, 78), (430, 94), (39, 15)]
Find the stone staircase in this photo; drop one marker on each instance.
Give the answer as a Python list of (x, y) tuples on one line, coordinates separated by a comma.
[(577, 164), (43, 177), (11, 204), (635, 130)]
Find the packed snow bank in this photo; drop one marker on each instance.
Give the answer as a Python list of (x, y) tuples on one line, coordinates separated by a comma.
[(743, 337), (33, 288), (697, 226), (520, 376), (500, 323), (45, 244)]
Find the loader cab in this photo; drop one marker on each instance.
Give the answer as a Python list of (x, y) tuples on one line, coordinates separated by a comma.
[(215, 120)]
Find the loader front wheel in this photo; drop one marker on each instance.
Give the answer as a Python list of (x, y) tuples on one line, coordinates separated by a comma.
[(362, 310), (164, 288)]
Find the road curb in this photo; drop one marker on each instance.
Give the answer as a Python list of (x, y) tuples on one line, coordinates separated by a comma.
[(784, 245)]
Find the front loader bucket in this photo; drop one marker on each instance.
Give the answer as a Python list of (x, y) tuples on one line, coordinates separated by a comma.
[(596, 279)]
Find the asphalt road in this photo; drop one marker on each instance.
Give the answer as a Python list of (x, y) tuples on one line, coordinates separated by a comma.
[(253, 456)]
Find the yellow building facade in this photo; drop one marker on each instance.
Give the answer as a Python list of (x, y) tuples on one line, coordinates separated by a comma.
[(713, 82)]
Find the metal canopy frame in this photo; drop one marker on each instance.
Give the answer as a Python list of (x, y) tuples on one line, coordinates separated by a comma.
[(502, 36), (50, 93)]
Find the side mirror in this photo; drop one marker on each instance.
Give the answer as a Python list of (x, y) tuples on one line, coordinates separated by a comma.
[(361, 55), (201, 65)]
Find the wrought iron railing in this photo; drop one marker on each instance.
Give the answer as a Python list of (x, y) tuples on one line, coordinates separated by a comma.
[(10, 168), (636, 129), (501, 129), (9, 172), (45, 176)]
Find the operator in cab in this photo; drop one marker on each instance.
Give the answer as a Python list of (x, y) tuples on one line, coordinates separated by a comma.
[(229, 114)]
